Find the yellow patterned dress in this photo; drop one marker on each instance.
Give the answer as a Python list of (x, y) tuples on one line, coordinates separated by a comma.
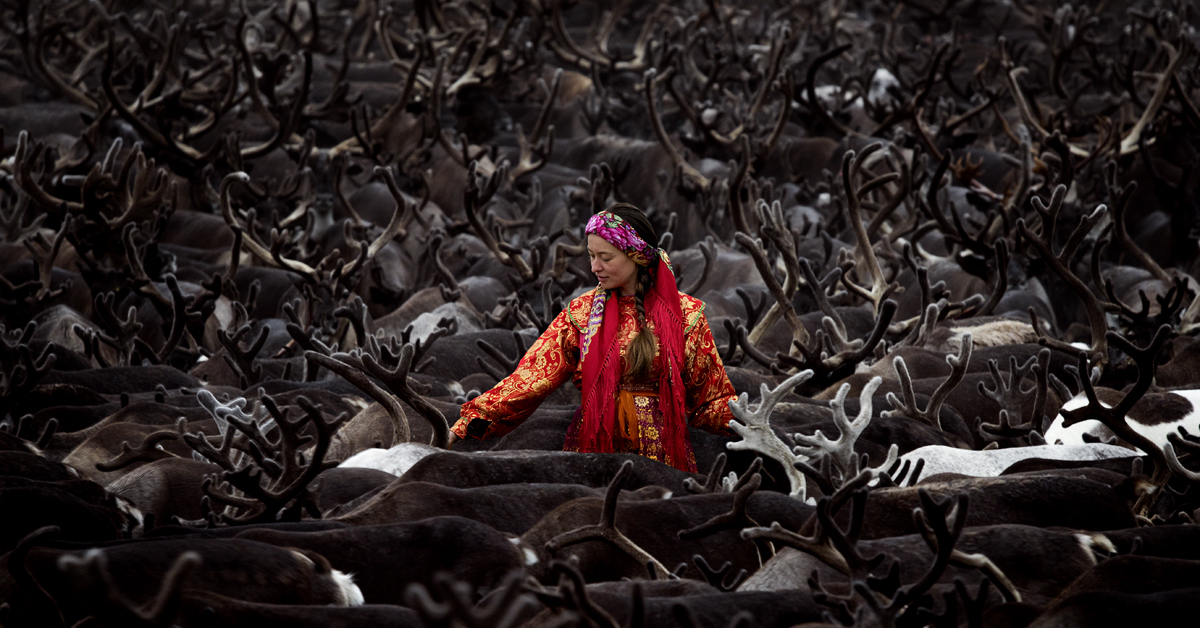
[(554, 358)]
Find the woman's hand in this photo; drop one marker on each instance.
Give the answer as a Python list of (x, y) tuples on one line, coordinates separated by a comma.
[(453, 439)]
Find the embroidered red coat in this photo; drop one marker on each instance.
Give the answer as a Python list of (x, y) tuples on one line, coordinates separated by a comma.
[(554, 358)]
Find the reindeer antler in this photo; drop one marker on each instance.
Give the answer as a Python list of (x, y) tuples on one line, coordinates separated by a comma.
[(852, 165), (841, 451), (932, 412), (1061, 264), (607, 530)]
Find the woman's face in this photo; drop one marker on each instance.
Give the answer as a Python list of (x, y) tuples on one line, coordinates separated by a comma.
[(612, 266)]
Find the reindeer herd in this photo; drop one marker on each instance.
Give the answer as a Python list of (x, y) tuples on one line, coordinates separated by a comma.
[(255, 255)]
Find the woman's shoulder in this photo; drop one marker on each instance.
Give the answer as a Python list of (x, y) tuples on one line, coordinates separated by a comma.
[(580, 308), (693, 310)]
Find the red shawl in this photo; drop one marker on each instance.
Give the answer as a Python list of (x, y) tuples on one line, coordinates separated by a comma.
[(602, 367)]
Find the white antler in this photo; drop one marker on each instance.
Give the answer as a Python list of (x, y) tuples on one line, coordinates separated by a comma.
[(754, 426), (841, 451)]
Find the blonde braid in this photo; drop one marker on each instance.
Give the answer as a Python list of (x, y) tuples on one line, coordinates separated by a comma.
[(640, 355)]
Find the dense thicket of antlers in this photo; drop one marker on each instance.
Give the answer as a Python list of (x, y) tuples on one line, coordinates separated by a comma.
[(278, 196)]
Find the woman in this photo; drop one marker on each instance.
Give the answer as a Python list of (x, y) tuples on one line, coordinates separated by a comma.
[(641, 353)]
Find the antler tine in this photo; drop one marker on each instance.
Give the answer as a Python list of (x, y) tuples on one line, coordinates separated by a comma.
[(24, 160), (224, 414), (540, 142), (1005, 426), (577, 596), (711, 481), (1130, 142), (242, 360), (817, 545), (846, 541), (600, 183), (708, 248), (474, 198), (313, 414), (782, 303), (1002, 389), (149, 450), (606, 529), (417, 597), (44, 259), (850, 353), (817, 287), (501, 610), (1042, 372), (754, 426), (814, 536), (182, 312), (144, 284), (270, 498)]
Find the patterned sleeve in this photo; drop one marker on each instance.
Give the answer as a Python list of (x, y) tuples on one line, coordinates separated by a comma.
[(547, 365), (708, 388)]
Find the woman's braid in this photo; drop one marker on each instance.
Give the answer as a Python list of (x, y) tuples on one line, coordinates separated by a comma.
[(640, 355)]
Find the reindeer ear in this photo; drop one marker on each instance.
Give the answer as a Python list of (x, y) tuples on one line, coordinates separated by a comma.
[(973, 263)]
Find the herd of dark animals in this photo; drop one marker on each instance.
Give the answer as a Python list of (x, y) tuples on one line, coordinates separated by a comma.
[(247, 242)]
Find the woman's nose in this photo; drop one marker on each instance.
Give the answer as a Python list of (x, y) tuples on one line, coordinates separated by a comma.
[(595, 266)]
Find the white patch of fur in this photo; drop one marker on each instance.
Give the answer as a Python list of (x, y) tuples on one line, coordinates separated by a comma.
[(1058, 434), (879, 94), (667, 495), (455, 388), (425, 324), (131, 511), (348, 593), (991, 334), (397, 460), (1095, 545), (1073, 434), (991, 462), (531, 557)]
